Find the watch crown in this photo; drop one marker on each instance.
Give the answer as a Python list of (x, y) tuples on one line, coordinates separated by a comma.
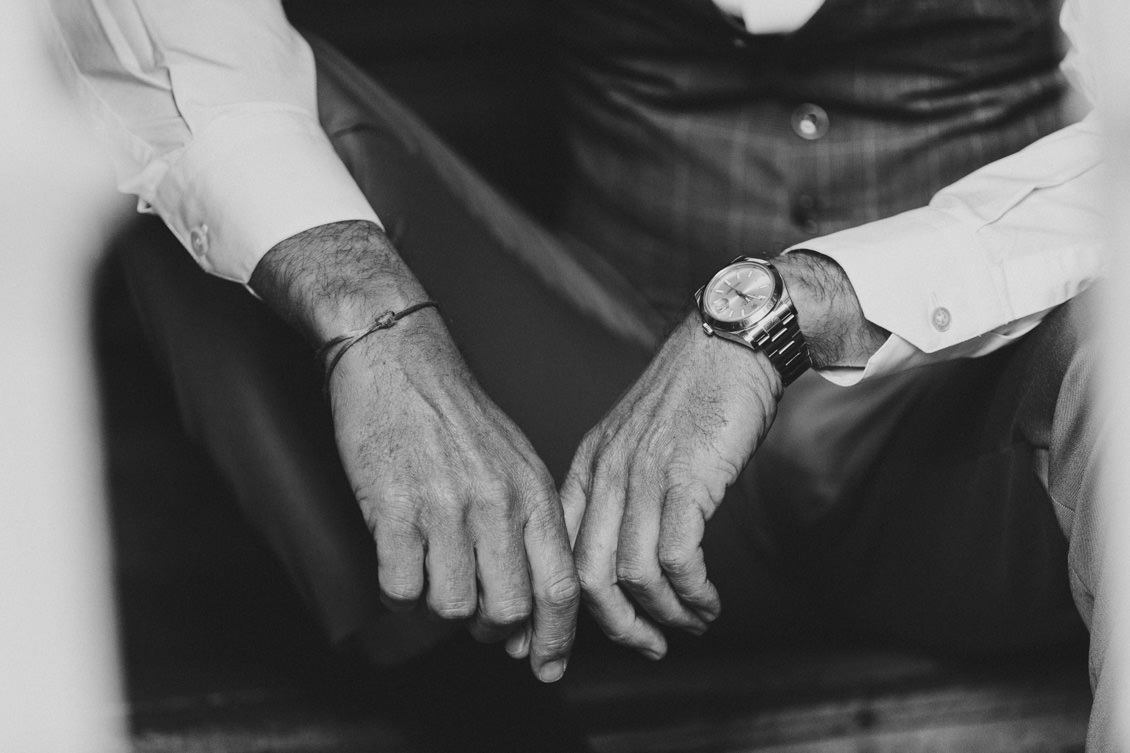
[(707, 328)]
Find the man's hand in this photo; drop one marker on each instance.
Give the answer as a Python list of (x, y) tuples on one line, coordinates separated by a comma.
[(652, 472), (463, 512), (648, 477)]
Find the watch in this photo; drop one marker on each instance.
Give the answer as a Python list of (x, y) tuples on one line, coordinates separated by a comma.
[(747, 302)]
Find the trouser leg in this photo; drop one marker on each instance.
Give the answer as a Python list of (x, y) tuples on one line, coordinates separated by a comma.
[(928, 508), (247, 391), (961, 503), (1070, 452)]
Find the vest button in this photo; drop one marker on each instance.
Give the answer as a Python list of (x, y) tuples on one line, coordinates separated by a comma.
[(810, 122)]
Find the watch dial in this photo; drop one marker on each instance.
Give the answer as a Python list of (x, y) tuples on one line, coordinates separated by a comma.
[(737, 292)]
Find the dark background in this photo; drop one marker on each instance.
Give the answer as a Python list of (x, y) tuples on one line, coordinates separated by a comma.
[(479, 73)]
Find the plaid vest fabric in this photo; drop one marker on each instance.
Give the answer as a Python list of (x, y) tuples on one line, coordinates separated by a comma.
[(693, 141)]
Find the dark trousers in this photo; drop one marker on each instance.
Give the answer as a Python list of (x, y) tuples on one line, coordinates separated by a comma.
[(916, 508)]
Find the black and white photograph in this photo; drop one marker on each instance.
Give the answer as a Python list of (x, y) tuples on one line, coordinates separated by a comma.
[(565, 376)]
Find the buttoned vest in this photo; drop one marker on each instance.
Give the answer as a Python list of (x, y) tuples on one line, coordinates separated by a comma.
[(692, 141)]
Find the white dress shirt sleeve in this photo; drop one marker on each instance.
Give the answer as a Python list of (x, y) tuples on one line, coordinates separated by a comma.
[(991, 254), (211, 108)]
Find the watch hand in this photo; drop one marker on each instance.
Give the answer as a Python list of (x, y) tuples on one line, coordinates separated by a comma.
[(748, 298)]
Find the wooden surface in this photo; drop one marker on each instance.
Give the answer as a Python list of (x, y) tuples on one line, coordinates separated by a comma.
[(858, 700), (872, 701)]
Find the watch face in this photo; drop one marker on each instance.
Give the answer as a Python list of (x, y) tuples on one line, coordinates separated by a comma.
[(737, 292)]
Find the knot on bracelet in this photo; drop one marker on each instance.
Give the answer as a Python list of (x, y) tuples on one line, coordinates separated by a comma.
[(341, 344)]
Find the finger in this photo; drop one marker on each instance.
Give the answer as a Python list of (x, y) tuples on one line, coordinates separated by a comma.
[(637, 557), (450, 561), (518, 644), (574, 492), (596, 567), (504, 582), (555, 589), (400, 563), (682, 527), (573, 501)]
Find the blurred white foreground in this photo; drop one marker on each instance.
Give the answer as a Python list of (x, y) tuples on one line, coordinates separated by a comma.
[(1110, 25), (59, 686)]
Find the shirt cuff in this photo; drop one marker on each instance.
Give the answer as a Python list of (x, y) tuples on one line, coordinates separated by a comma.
[(896, 354), (924, 278), (921, 277), (251, 180)]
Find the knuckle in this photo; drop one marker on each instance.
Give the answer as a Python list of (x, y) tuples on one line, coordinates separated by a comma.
[(674, 560), (564, 590), (535, 490), (507, 613), (668, 618), (396, 536), (453, 609), (390, 514), (635, 574), (683, 492), (588, 577), (395, 501), (495, 491), (445, 521), (620, 634), (401, 589), (610, 467), (555, 645), (541, 512)]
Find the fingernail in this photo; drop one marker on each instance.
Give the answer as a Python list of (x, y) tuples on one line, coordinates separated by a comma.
[(653, 654), (553, 671), (519, 645)]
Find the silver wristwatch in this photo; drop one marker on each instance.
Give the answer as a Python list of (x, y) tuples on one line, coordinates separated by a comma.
[(747, 302)]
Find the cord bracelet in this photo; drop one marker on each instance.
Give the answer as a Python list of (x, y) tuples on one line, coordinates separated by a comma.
[(344, 342)]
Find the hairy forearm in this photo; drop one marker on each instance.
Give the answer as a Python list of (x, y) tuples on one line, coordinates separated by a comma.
[(828, 311), (334, 278)]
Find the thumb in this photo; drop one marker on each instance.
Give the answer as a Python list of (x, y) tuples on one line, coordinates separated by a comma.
[(573, 501)]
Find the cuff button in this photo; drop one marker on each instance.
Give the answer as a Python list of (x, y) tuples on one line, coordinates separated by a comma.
[(941, 319), (198, 238)]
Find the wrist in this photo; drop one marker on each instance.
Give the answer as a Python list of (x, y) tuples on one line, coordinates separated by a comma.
[(751, 369), (828, 311), (335, 278)]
